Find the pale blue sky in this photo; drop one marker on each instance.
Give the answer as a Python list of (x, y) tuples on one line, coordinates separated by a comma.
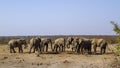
[(58, 17)]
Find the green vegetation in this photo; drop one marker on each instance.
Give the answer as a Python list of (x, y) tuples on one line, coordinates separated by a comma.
[(117, 30), (3, 40)]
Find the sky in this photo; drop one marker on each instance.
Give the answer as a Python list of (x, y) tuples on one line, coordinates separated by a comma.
[(58, 17)]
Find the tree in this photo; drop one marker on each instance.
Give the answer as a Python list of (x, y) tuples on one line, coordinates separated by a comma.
[(117, 30)]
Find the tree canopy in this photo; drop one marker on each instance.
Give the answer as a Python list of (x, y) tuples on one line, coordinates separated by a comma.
[(117, 30), (116, 27)]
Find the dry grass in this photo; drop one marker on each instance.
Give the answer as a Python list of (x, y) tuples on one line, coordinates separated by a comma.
[(67, 59), (62, 60)]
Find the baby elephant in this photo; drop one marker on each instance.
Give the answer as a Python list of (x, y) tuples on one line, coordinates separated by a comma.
[(17, 43)]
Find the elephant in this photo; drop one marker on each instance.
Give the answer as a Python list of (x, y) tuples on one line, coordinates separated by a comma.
[(73, 43), (13, 43), (59, 43), (76, 45), (99, 43), (45, 42), (69, 41), (85, 46), (36, 44)]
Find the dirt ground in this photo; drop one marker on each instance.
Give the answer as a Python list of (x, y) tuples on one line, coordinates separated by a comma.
[(63, 60)]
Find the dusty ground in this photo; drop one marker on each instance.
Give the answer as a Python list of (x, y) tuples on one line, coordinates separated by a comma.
[(63, 60)]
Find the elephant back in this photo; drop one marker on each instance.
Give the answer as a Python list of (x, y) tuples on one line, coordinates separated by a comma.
[(13, 43), (97, 42), (70, 40), (46, 40), (21, 41), (59, 41), (86, 41)]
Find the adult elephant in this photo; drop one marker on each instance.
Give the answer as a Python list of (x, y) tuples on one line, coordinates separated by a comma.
[(35, 44), (59, 44), (69, 41), (45, 42), (85, 46), (73, 43), (99, 43), (17, 43)]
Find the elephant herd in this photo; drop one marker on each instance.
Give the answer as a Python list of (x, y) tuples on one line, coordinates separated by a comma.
[(75, 44)]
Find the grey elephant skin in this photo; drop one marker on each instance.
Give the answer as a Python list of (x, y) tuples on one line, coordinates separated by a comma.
[(17, 43), (101, 43), (35, 45), (45, 42), (59, 44)]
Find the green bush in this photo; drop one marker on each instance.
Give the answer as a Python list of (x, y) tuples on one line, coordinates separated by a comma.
[(117, 30)]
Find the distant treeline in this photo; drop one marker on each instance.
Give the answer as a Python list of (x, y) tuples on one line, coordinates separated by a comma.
[(109, 38)]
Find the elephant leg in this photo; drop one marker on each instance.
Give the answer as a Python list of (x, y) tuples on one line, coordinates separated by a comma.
[(59, 48), (34, 49), (44, 47), (104, 50), (13, 50), (47, 48), (40, 49), (38, 52), (30, 49), (101, 50), (53, 49), (21, 49), (62, 48), (81, 50), (94, 49), (10, 49), (56, 48), (78, 49), (89, 50)]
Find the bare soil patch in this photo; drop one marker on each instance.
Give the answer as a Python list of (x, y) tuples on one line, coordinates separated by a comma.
[(51, 60)]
